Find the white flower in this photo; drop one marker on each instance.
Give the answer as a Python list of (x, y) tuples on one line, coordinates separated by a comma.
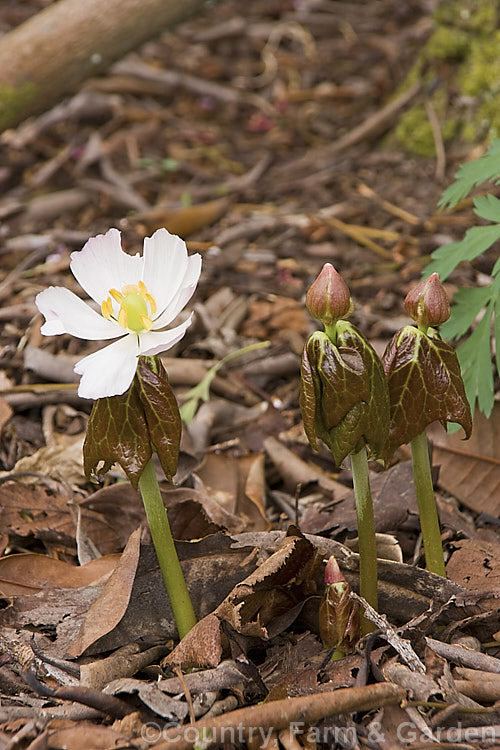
[(138, 296)]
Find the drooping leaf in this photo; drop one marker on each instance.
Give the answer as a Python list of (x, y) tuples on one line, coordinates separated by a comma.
[(117, 432), (377, 411), (425, 385), (161, 412), (343, 392), (333, 389)]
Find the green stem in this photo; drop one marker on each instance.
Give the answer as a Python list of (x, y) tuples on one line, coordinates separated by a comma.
[(429, 521), (366, 533), (166, 553)]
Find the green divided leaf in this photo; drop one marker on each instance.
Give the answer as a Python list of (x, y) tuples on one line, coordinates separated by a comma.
[(474, 356), (447, 257), (471, 174), (468, 305), (487, 207)]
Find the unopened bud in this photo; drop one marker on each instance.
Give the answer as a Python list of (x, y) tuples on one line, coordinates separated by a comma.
[(333, 574), (328, 298), (339, 626), (427, 302)]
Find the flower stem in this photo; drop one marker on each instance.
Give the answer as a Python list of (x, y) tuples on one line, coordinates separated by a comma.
[(366, 533), (166, 553), (429, 521)]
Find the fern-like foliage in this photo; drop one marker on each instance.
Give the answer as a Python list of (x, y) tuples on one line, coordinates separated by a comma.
[(481, 303)]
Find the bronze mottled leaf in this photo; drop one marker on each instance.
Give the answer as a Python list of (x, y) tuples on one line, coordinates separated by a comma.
[(161, 411), (343, 395), (425, 386), (377, 412), (117, 433)]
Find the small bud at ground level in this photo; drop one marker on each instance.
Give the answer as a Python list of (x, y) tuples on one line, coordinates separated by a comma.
[(339, 624), (328, 298), (427, 302)]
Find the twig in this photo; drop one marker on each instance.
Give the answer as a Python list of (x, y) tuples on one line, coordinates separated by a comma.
[(438, 140), (464, 656), (368, 129), (259, 720), (399, 644)]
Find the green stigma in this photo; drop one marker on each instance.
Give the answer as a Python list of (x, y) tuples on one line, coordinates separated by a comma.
[(134, 313)]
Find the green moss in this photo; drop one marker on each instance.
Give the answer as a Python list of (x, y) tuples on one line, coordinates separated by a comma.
[(476, 16), (414, 132), (481, 73), (447, 43), (16, 103), (467, 39), (414, 129)]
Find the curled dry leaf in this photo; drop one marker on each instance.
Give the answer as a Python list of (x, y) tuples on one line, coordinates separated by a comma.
[(471, 471), (238, 484), (30, 573), (107, 611)]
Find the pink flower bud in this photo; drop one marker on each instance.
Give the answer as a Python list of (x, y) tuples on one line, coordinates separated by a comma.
[(328, 298), (427, 302), (332, 572)]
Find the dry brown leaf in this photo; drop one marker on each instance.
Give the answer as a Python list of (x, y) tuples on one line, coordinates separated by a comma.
[(84, 735), (33, 511), (107, 611), (470, 470), (62, 461), (275, 586), (28, 573), (184, 221), (5, 413), (201, 647), (279, 319), (475, 564), (237, 483)]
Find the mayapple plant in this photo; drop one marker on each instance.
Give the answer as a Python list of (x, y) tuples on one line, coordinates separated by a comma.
[(425, 385), (135, 410), (339, 625), (344, 402)]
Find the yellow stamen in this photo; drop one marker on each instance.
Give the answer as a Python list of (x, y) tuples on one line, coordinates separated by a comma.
[(137, 307), (107, 308), (146, 322), (117, 296), (151, 301), (122, 317), (130, 289)]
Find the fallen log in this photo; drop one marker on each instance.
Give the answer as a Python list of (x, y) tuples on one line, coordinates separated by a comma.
[(52, 53)]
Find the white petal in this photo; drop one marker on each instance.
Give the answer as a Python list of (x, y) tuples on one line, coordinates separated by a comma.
[(102, 265), (165, 264), (154, 342), (186, 290), (110, 371), (66, 313)]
